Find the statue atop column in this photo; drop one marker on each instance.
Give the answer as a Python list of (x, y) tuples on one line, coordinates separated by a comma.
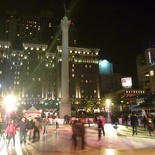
[(66, 11)]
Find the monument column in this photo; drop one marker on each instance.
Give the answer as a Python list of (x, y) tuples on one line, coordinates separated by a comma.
[(65, 107)]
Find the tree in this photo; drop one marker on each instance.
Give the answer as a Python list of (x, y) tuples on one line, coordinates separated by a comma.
[(89, 104)]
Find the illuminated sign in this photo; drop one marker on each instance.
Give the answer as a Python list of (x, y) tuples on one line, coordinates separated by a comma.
[(126, 82), (151, 57)]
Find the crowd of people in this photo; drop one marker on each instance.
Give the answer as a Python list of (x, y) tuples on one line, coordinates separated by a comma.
[(29, 129), (135, 120)]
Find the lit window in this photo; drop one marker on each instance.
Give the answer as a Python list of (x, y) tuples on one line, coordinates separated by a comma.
[(39, 79), (33, 79), (72, 65), (18, 82), (86, 81), (0, 72), (85, 66), (147, 75), (82, 76), (73, 75), (72, 70), (152, 73), (95, 91), (43, 48), (49, 25)]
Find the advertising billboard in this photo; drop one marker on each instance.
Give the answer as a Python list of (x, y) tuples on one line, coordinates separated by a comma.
[(126, 82)]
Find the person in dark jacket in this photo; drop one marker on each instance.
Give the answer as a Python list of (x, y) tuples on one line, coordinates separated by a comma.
[(37, 129), (100, 127), (30, 128), (23, 130), (134, 123), (78, 132)]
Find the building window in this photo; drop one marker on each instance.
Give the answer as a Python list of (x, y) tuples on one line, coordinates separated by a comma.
[(49, 24), (152, 73), (39, 79), (94, 91), (73, 75), (33, 79)]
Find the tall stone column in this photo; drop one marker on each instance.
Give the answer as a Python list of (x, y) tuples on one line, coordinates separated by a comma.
[(65, 107)]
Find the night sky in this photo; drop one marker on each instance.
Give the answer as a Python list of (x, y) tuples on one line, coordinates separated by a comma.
[(121, 29)]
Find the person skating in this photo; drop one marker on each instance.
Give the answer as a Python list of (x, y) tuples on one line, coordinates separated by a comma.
[(11, 132), (134, 123)]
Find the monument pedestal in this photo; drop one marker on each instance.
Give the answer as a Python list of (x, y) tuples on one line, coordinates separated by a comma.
[(65, 109)]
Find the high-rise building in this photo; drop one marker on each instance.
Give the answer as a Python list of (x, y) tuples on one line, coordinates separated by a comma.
[(83, 73), (42, 28), (109, 81), (146, 70), (33, 73), (105, 67)]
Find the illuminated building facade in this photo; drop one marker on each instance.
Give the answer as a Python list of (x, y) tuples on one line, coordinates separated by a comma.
[(83, 74), (105, 67), (33, 73), (109, 81), (146, 70)]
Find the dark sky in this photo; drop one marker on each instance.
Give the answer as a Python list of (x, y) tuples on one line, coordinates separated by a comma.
[(122, 29)]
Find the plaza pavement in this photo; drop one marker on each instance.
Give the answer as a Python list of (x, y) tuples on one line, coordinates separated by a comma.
[(115, 142)]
